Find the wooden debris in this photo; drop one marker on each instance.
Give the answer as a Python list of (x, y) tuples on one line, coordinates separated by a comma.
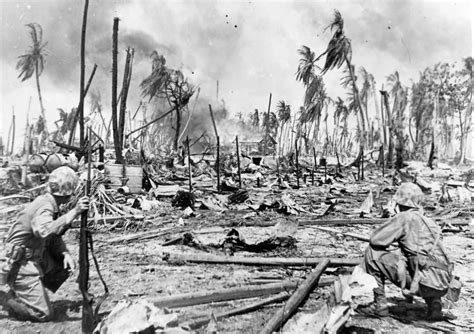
[(346, 234), (240, 310), (197, 298), (261, 261), (295, 300)]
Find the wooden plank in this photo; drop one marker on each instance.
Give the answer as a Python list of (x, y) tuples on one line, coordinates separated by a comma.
[(280, 317), (240, 310), (197, 298), (261, 261)]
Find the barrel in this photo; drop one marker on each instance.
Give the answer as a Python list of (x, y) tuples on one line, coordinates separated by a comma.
[(117, 175)]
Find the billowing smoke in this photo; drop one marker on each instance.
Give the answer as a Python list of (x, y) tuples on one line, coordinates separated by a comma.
[(250, 47)]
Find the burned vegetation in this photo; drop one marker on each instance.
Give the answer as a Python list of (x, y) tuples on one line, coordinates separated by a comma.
[(186, 218)]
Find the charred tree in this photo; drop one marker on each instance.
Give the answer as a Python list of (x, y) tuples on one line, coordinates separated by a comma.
[(115, 125)]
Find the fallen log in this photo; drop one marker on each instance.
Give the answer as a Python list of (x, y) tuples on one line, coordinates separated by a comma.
[(146, 235), (240, 310), (197, 298), (349, 221), (347, 234), (108, 219), (260, 261), (295, 300)]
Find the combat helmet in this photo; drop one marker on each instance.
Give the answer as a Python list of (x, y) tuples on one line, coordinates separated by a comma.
[(62, 181), (408, 194)]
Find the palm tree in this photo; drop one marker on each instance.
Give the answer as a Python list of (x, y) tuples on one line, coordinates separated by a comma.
[(32, 62), (315, 94), (255, 119), (306, 67), (400, 102), (284, 115), (366, 92), (339, 52)]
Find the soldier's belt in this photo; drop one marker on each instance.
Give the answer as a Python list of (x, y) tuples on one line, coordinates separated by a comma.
[(18, 253), (426, 262)]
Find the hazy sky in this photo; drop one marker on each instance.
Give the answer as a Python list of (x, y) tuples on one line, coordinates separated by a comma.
[(249, 46)]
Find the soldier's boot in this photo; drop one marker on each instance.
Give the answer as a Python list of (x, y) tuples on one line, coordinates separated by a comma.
[(435, 307), (409, 297), (380, 305)]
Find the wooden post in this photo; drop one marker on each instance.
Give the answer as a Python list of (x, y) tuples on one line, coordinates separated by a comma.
[(297, 164), (72, 132), (383, 161), (238, 160), (127, 75), (26, 146), (213, 121), (190, 176), (88, 322), (279, 318), (362, 165), (218, 169), (115, 123), (338, 162), (267, 128)]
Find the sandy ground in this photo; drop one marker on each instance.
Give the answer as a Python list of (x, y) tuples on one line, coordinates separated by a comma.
[(136, 270)]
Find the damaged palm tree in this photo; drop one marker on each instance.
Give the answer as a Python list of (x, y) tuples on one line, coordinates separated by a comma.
[(315, 95), (32, 62), (170, 85), (339, 52)]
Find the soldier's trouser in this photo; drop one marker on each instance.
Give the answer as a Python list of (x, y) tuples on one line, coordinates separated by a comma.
[(392, 265), (27, 298)]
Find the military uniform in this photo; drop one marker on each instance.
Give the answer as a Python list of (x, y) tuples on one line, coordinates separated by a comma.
[(37, 231), (35, 250), (419, 266)]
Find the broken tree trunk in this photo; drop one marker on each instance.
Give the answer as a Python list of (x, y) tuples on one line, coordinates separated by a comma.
[(190, 175), (240, 310), (127, 75), (115, 124), (295, 300), (218, 165), (347, 234), (76, 111), (261, 261), (197, 298), (238, 161), (88, 318)]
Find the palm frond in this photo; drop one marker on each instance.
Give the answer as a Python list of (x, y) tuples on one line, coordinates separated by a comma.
[(306, 66)]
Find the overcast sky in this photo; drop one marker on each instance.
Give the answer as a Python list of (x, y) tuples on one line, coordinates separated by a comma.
[(249, 46)]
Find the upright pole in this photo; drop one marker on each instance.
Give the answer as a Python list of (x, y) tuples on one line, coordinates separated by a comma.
[(362, 165), (13, 131), (267, 128), (190, 176), (115, 121), (83, 70), (383, 161), (218, 163), (87, 313), (26, 147), (297, 164), (238, 160)]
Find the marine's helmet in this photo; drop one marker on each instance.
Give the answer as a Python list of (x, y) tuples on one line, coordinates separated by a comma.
[(62, 181), (408, 194)]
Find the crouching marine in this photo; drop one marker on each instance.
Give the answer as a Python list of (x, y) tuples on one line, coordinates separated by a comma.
[(420, 266), (36, 255)]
